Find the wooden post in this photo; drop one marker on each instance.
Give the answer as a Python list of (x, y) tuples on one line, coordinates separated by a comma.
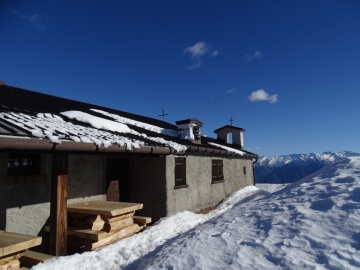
[(58, 205)]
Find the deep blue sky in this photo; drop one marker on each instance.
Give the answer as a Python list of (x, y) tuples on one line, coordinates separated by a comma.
[(199, 59)]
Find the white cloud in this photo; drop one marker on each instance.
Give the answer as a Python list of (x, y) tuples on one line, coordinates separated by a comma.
[(198, 51), (196, 65), (215, 53), (254, 55), (230, 90), (34, 19), (262, 95)]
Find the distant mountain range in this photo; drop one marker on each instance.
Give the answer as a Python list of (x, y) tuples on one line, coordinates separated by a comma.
[(291, 168)]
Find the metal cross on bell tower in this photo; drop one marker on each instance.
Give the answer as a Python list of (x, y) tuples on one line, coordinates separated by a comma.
[(163, 115), (231, 120)]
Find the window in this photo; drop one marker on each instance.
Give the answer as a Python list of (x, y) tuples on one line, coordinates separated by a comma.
[(23, 164), (180, 172), (244, 170), (217, 170)]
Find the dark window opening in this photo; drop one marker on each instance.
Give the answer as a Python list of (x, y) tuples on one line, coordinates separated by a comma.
[(217, 170), (23, 164), (244, 170), (180, 172)]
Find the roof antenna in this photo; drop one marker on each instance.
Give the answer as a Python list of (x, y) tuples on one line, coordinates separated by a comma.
[(231, 120), (163, 115)]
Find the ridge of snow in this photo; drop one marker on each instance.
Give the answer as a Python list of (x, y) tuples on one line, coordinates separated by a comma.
[(174, 145), (97, 122), (140, 124), (232, 150)]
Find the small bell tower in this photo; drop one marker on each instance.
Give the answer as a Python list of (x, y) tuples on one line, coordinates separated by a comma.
[(189, 129), (236, 132)]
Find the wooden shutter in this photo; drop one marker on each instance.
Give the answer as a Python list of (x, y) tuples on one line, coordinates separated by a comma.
[(180, 172), (217, 170)]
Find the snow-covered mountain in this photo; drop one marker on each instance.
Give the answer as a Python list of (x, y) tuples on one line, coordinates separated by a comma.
[(291, 168)]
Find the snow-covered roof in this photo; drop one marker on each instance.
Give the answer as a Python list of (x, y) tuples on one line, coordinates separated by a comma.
[(232, 150), (32, 115)]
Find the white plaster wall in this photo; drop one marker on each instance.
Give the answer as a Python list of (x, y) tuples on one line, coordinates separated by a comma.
[(25, 206), (86, 176), (31, 219), (201, 193), (23, 200)]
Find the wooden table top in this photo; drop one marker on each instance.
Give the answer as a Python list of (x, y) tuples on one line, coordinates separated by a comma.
[(106, 208), (15, 242)]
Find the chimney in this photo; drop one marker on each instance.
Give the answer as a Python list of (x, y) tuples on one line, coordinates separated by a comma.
[(236, 132), (189, 129)]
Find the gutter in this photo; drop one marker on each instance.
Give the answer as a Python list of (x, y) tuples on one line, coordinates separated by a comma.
[(8, 143), (27, 143), (202, 149)]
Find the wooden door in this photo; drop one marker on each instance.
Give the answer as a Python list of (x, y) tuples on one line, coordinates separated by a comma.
[(117, 180)]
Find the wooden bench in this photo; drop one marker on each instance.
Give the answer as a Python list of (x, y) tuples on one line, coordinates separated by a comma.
[(92, 239), (142, 220), (31, 258), (99, 235), (88, 234)]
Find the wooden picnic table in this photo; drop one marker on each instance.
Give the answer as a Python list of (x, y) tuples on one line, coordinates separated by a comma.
[(11, 243), (107, 208), (101, 223)]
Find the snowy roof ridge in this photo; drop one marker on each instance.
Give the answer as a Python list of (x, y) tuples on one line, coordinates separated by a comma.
[(97, 122), (136, 123), (116, 126), (236, 151)]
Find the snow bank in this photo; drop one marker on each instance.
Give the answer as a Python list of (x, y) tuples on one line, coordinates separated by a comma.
[(311, 224), (130, 249)]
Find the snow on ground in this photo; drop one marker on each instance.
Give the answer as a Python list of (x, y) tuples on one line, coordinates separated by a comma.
[(311, 224), (271, 188)]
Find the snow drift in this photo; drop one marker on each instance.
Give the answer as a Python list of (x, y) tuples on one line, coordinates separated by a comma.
[(311, 224)]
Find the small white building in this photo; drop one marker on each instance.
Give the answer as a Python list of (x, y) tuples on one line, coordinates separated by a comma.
[(106, 154)]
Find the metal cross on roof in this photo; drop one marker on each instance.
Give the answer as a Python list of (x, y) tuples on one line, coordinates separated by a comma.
[(163, 115), (231, 120)]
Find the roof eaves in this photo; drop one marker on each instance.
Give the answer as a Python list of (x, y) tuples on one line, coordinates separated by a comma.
[(228, 126), (30, 144)]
